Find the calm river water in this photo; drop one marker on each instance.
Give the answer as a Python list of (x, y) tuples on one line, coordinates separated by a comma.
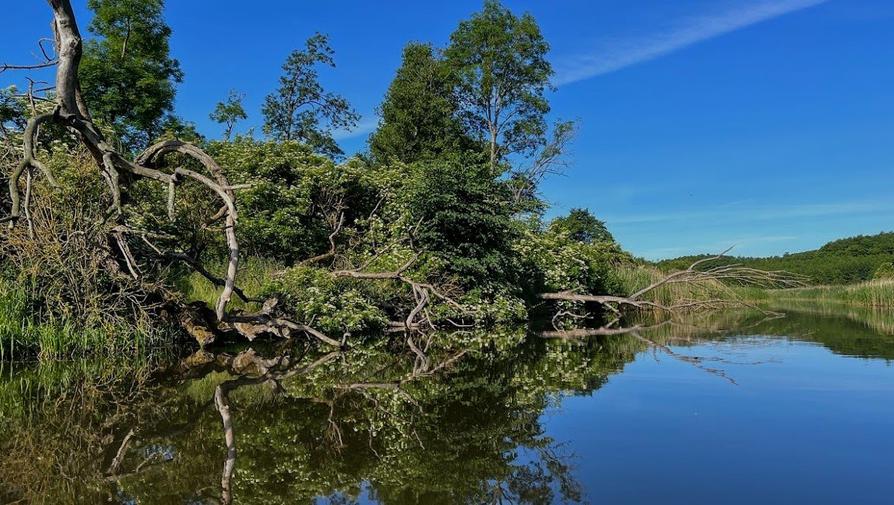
[(744, 410)]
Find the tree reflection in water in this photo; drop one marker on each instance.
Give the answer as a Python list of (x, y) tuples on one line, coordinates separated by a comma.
[(291, 424)]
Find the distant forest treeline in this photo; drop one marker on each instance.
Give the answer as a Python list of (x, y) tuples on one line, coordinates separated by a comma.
[(842, 261)]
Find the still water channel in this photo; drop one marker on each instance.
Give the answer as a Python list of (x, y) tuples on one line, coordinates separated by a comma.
[(745, 410)]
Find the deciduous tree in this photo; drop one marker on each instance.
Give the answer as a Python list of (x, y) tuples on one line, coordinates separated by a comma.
[(127, 73), (582, 226), (229, 112), (301, 109), (500, 62)]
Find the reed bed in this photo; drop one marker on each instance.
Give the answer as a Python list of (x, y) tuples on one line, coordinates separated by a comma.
[(632, 279), (24, 335), (876, 293)]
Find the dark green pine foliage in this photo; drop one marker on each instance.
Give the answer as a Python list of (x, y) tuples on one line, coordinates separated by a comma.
[(127, 74), (419, 114)]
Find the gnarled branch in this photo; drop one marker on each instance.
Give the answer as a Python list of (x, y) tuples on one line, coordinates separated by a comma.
[(72, 112)]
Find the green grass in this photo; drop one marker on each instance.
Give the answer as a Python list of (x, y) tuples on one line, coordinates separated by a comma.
[(23, 334), (877, 293), (253, 274)]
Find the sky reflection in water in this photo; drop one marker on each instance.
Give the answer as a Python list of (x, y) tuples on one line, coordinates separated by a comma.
[(809, 419)]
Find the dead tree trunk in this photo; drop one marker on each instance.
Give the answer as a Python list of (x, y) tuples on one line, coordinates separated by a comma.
[(699, 274), (72, 112)]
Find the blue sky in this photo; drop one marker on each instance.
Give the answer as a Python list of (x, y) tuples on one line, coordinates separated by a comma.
[(765, 124)]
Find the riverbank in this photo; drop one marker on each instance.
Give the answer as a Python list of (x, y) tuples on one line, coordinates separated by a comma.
[(876, 293)]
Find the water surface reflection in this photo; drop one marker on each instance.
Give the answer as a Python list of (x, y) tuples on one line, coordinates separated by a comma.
[(518, 420)]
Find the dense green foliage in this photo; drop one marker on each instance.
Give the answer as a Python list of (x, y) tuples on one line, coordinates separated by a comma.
[(301, 109), (294, 195), (465, 220), (842, 261), (554, 261), (500, 62), (419, 112), (582, 226), (127, 74)]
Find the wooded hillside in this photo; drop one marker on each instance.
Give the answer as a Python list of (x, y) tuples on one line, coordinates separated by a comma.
[(841, 261)]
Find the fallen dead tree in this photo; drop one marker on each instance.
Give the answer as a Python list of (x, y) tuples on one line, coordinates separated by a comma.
[(72, 112), (699, 276), (711, 279)]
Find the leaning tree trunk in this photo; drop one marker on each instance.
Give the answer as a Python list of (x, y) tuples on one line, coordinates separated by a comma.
[(72, 112)]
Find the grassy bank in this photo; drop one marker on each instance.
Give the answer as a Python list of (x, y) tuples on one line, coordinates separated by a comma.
[(24, 334), (254, 272), (877, 293)]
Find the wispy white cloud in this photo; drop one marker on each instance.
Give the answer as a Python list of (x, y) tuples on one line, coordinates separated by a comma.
[(365, 126), (738, 213), (613, 55)]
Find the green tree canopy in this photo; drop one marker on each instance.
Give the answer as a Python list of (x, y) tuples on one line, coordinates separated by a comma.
[(500, 63), (301, 109), (127, 74), (582, 226), (842, 261), (466, 219), (295, 196), (229, 112), (418, 115)]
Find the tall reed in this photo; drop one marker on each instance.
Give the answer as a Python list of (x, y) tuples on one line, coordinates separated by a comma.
[(638, 277), (876, 293), (24, 332)]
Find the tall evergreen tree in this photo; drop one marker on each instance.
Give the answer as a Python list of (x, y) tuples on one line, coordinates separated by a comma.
[(301, 109), (127, 74), (418, 115)]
